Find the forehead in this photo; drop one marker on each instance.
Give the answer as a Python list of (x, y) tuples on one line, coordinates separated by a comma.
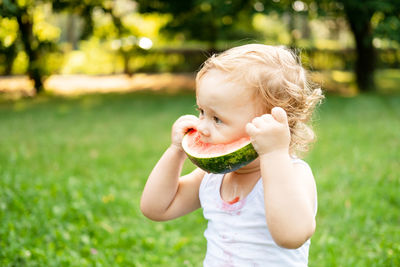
[(218, 86)]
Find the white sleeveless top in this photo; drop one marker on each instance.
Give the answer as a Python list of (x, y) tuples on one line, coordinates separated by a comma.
[(237, 234)]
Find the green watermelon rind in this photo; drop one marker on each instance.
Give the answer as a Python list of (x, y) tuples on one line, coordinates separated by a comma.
[(226, 163)]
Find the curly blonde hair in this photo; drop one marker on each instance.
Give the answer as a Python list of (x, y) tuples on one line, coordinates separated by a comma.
[(278, 79)]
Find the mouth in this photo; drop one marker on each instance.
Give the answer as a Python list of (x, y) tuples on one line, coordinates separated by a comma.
[(198, 137)]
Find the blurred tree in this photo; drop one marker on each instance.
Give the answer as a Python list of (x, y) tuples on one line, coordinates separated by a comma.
[(71, 31), (210, 21), (204, 20), (84, 9), (37, 38), (367, 19), (294, 14), (34, 42), (119, 30), (8, 44)]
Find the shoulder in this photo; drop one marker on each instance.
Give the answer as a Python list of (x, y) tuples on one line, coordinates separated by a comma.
[(209, 188), (194, 177), (189, 184), (299, 161), (210, 180), (302, 167)]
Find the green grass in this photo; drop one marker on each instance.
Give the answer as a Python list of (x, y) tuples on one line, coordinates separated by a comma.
[(72, 171), (357, 164)]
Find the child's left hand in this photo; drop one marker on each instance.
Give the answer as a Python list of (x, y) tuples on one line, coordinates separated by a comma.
[(270, 132)]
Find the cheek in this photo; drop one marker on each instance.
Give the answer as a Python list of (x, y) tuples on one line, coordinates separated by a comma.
[(242, 132), (228, 134), (219, 136)]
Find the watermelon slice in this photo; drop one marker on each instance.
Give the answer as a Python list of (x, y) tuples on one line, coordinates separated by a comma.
[(218, 158)]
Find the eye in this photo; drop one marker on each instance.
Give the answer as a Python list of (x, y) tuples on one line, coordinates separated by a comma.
[(217, 120), (201, 112)]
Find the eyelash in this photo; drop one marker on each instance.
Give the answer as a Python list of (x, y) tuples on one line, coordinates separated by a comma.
[(216, 119), (200, 111)]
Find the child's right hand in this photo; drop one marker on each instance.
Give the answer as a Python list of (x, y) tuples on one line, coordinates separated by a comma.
[(181, 126)]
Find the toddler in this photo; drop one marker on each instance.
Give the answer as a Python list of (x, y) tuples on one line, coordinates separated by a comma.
[(262, 214)]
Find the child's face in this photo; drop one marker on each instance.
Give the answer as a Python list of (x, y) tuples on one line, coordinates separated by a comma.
[(225, 108)]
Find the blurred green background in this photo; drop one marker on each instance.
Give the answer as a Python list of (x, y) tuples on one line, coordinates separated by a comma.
[(89, 91)]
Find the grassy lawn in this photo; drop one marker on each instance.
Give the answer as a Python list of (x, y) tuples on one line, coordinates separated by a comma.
[(72, 171)]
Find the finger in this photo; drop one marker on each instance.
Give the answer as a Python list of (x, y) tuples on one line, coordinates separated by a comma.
[(279, 115), (251, 129), (188, 118), (267, 117), (257, 122), (186, 123), (188, 126)]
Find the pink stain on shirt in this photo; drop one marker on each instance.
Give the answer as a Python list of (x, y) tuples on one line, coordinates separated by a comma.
[(234, 206), (233, 201)]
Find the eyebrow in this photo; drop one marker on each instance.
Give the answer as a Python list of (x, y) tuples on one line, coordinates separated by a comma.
[(212, 110)]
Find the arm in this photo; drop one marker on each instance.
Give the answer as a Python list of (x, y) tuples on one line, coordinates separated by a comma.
[(289, 189), (165, 195), (289, 195)]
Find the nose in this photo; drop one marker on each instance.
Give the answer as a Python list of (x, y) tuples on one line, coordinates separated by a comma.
[(203, 129)]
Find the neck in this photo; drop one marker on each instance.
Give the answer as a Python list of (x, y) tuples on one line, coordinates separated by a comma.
[(250, 168)]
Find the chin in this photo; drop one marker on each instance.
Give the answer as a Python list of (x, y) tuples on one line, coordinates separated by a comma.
[(253, 164)]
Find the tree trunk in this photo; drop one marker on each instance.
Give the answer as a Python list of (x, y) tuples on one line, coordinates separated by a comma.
[(31, 48), (305, 27), (11, 53), (290, 19), (213, 32), (126, 58), (366, 55), (71, 31)]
